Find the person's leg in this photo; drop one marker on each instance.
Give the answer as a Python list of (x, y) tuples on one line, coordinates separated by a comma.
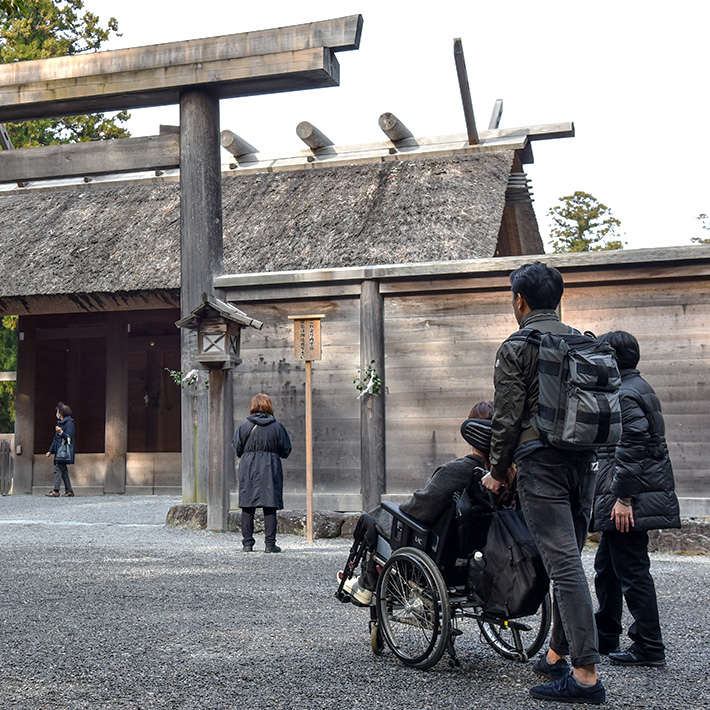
[(57, 476), (633, 568), (65, 477), (248, 527), (270, 526), (608, 589), (552, 496)]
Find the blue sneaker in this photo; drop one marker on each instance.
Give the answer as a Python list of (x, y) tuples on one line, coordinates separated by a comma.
[(551, 671), (568, 690)]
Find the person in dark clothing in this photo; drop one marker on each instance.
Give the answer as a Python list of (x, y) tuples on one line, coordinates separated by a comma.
[(635, 493), (63, 433), (555, 487), (260, 443), (428, 504)]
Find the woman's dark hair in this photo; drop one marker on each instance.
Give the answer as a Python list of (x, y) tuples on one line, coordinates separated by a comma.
[(626, 347), (64, 409), (539, 284), (482, 410), (261, 403)]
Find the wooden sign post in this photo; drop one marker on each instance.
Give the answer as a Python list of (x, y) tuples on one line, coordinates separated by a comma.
[(307, 346)]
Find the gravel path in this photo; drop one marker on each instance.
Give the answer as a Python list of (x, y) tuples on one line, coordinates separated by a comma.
[(104, 607)]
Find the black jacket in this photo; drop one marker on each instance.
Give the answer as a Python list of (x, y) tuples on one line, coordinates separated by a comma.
[(639, 466), (260, 443)]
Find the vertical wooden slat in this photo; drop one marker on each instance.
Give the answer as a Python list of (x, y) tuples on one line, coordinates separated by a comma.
[(201, 261), (309, 452), (116, 403), (25, 407), (220, 422), (372, 407)]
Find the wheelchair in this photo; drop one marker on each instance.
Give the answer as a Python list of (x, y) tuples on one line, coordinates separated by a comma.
[(422, 598)]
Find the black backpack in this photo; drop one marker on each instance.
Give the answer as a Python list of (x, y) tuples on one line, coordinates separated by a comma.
[(578, 404), (509, 580)]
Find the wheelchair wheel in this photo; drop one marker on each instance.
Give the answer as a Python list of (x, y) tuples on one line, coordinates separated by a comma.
[(413, 612), (531, 637)]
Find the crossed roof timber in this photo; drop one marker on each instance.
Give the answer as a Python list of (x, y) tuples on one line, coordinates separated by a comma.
[(245, 64)]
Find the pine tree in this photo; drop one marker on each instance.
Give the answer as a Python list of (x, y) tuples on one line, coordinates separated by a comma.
[(582, 223), (41, 29)]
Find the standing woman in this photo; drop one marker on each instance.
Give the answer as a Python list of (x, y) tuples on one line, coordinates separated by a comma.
[(260, 443), (63, 433)]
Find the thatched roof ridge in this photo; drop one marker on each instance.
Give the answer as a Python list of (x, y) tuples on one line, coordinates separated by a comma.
[(125, 236)]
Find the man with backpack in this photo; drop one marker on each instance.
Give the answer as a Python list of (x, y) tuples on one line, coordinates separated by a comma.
[(555, 484)]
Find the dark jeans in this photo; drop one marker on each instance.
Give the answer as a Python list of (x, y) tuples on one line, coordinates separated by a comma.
[(556, 489), (61, 473), (622, 568), (269, 526)]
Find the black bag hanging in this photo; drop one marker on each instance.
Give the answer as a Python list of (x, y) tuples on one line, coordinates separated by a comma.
[(509, 581), (65, 452)]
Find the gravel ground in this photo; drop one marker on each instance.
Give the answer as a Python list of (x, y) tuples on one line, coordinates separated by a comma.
[(105, 607)]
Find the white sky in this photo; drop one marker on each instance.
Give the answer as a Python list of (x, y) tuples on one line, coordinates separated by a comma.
[(632, 76)]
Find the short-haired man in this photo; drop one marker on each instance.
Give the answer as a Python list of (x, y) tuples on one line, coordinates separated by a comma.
[(556, 489)]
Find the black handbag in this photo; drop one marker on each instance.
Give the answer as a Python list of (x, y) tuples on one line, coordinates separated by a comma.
[(65, 452)]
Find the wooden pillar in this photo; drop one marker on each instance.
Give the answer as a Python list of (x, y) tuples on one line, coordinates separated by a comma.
[(25, 407), (116, 403), (372, 407), (220, 419), (201, 261)]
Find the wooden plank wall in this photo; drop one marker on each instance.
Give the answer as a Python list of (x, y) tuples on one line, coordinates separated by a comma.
[(441, 336), (269, 365)]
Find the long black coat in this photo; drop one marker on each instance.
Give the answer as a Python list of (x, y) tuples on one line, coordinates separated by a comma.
[(260, 443), (639, 466)]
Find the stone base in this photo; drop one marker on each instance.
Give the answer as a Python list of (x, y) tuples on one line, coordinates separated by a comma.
[(326, 524), (692, 538)]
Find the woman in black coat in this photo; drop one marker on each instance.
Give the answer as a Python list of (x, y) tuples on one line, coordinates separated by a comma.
[(63, 433), (635, 493), (260, 443)]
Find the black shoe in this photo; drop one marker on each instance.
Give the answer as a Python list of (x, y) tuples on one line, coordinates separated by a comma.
[(247, 548), (68, 494), (272, 548), (568, 690), (551, 671), (52, 494), (632, 657)]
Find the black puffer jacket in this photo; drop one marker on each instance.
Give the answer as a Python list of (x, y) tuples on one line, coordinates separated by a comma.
[(638, 467)]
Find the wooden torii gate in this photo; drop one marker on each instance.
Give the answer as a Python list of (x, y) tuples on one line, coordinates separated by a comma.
[(196, 74)]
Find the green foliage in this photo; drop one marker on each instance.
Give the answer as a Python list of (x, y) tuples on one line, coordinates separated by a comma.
[(57, 28), (582, 223), (368, 382), (705, 225), (8, 363), (13, 7)]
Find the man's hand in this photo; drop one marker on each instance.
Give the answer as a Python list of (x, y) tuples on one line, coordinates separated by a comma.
[(491, 483), (623, 516)]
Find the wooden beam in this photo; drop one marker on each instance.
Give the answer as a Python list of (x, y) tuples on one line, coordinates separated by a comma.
[(393, 128), (465, 93), (268, 61), (314, 138), (372, 407), (25, 408), (121, 155), (496, 115), (235, 144)]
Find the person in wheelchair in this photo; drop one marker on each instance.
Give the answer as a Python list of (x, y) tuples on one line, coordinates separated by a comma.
[(428, 504)]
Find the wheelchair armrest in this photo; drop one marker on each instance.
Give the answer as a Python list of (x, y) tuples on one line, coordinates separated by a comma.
[(406, 531)]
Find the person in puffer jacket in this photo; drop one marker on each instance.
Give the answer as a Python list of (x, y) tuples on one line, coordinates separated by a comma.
[(635, 493)]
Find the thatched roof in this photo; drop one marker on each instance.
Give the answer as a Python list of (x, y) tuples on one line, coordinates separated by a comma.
[(125, 237)]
